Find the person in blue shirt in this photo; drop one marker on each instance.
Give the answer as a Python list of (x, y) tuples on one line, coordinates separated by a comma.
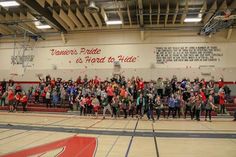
[(55, 97), (171, 105), (71, 91), (177, 105)]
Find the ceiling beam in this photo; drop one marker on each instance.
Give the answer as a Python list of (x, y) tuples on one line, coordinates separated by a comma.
[(223, 6), (140, 6), (150, 12), (158, 11), (89, 18), (41, 2), (58, 2), (98, 20), (232, 5), (23, 26), (30, 24), (129, 16), (59, 20), (121, 17), (81, 18), (74, 19), (33, 5), (3, 30), (66, 19), (50, 2), (210, 12), (185, 12), (77, 1), (203, 9), (167, 12), (68, 2), (176, 12)]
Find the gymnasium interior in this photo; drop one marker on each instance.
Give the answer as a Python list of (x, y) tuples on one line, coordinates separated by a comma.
[(114, 78)]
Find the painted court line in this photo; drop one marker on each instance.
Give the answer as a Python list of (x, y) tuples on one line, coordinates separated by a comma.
[(155, 141), (131, 140), (122, 133), (116, 140)]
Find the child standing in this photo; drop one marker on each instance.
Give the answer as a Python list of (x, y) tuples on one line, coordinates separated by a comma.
[(48, 98), (198, 103), (158, 106), (209, 106), (11, 98), (55, 97), (24, 101), (115, 105), (171, 104), (106, 106), (96, 105), (17, 101)]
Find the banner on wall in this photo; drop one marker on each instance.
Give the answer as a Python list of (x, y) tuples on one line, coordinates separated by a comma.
[(132, 56)]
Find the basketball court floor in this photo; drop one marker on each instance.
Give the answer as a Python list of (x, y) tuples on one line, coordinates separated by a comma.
[(38, 134)]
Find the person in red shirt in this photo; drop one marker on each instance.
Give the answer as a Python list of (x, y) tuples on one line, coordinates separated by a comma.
[(222, 100), (17, 100), (141, 84), (18, 88), (110, 93), (89, 105), (96, 81), (203, 96), (221, 82), (11, 98), (122, 92), (24, 100)]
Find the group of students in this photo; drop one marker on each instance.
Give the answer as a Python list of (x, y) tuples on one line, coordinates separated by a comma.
[(130, 96)]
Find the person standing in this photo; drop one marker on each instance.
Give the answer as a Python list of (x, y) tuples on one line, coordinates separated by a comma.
[(209, 106), (96, 105), (177, 105), (11, 99), (24, 100), (149, 106), (106, 106), (171, 105), (222, 100), (48, 98), (198, 103), (55, 97), (115, 105), (62, 96), (17, 101), (159, 107), (140, 105)]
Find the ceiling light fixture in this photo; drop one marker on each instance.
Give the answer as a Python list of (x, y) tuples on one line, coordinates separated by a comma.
[(43, 27), (115, 22), (9, 3), (40, 25), (198, 19)]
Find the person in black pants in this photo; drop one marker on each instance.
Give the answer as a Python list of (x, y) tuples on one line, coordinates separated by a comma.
[(158, 106), (198, 104), (171, 104), (149, 106), (177, 106), (189, 106), (209, 107)]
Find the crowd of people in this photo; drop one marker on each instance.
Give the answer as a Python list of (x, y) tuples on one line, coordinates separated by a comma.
[(123, 97)]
